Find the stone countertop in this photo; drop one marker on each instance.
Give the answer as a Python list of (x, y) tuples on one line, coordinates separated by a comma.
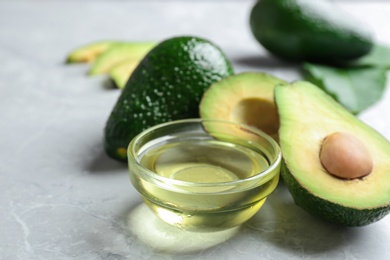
[(63, 198)]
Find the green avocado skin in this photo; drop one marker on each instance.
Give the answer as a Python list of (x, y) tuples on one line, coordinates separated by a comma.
[(167, 85), (328, 211), (311, 30)]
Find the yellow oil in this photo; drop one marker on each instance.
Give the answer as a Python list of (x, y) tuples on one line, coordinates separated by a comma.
[(204, 206)]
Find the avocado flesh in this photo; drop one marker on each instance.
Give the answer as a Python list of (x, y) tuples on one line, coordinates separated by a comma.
[(309, 30), (167, 85), (246, 98), (89, 52), (121, 72), (307, 116), (118, 53)]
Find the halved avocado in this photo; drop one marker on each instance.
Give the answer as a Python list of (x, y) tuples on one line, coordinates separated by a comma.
[(307, 117), (245, 98), (121, 72), (119, 53), (89, 52)]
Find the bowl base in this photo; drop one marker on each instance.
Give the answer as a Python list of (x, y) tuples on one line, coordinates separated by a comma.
[(205, 221)]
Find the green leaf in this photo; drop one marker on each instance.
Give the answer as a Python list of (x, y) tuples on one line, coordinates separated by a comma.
[(356, 88), (379, 56)]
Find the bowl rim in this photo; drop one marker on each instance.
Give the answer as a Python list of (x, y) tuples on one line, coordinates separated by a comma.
[(263, 175)]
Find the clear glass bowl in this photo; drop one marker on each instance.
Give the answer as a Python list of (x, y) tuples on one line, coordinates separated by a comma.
[(204, 175)]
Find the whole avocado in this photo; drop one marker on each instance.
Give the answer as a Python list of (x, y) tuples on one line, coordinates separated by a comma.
[(311, 30), (167, 85)]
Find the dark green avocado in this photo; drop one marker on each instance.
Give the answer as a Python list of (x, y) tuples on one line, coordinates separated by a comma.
[(167, 85), (314, 30)]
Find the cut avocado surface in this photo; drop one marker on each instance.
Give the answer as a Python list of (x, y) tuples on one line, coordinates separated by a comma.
[(119, 53), (89, 52), (121, 72), (167, 85), (246, 98), (307, 116), (314, 30)]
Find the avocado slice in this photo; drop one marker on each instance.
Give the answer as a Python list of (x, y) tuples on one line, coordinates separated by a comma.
[(167, 85), (88, 53), (307, 117), (121, 72), (246, 98), (309, 30), (118, 53)]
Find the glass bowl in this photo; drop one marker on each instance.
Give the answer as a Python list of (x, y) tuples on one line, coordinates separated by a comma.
[(204, 175)]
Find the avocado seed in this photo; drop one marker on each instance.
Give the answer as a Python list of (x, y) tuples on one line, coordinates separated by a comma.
[(344, 156)]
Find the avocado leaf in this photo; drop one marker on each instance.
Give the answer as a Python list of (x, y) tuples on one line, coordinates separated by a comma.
[(356, 88), (378, 56)]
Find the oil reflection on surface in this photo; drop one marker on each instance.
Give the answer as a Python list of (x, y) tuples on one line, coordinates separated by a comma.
[(163, 237)]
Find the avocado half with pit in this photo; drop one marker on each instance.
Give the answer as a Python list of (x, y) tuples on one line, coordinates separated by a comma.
[(335, 166), (246, 98)]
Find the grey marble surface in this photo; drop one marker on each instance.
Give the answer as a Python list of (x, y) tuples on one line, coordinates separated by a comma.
[(63, 198)]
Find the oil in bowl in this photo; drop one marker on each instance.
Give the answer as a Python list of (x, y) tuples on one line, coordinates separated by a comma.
[(204, 175)]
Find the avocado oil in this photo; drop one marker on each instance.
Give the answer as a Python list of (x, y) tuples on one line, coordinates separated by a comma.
[(204, 169)]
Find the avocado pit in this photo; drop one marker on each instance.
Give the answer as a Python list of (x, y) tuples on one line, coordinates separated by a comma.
[(344, 156)]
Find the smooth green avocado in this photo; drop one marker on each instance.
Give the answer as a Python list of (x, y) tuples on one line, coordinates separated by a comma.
[(167, 85), (246, 98), (314, 30), (307, 117)]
